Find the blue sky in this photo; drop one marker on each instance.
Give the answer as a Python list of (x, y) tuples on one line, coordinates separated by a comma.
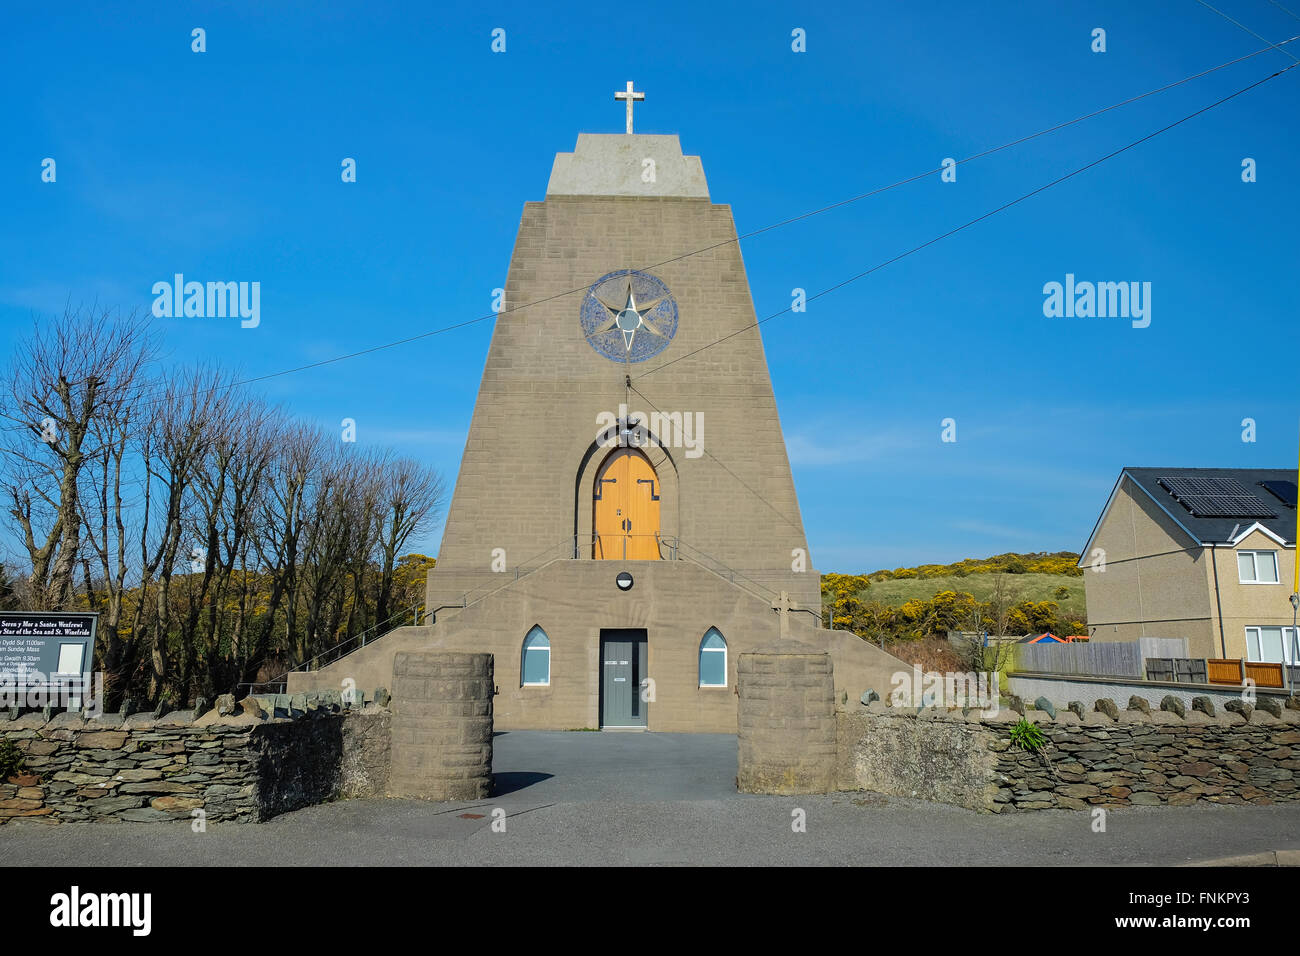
[(226, 165)]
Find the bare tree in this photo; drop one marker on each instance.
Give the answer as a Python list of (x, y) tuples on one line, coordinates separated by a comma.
[(64, 382), (107, 506), (413, 496), (225, 495), (253, 450), (214, 535), (301, 453), (984, 645), (187, 418)]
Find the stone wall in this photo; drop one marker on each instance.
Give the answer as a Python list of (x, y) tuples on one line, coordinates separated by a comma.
[(1092, 758), (241, 767)]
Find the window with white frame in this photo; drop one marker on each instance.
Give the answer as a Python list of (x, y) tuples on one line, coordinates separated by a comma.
[(70, 658), (713, 659), (535, 670), (1257, 567), (1272, 644)]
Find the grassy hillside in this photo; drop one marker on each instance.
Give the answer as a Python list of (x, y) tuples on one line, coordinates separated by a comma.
[(1021, 587), (1039, 592)]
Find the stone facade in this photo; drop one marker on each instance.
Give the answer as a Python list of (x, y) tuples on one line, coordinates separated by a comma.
[(733, 538), (239, 767), (676, 602), (527, 475), (1131, 758)]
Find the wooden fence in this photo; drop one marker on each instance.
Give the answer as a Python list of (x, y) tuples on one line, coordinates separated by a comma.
[(1102, 659), (1186, 670), (1098, 658), (1264, 675), (1224, 670), (1236, 671), (1136, 659)]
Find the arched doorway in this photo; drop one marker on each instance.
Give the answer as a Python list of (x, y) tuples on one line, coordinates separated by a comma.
[(625, 501)]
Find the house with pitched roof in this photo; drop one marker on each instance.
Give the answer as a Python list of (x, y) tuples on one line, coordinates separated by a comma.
[(1202, 553)]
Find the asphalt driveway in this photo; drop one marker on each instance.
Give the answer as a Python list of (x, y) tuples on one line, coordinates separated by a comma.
[(586, 798), (626, 766)]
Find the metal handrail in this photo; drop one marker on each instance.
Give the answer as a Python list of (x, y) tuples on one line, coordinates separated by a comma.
[(675, 550), (306, 665), (522, 570)]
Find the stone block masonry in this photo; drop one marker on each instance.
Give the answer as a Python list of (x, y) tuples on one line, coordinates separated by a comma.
[(787, 720), (442, 726), (238, 768), (1094, 759)]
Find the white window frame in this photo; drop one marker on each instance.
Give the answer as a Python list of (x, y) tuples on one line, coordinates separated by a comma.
[(1254, 563), (81, 657), (523, 658), (1288, 644), (713, 650)]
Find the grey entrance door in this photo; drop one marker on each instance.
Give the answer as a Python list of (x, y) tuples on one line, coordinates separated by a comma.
[(622, 667)]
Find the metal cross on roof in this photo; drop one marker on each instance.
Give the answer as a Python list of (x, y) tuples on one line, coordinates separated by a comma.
[(631, 96)]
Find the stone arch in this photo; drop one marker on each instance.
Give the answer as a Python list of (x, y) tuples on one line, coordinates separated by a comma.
[(593, 456)]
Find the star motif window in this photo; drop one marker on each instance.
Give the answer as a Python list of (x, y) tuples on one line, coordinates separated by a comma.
[(629, 316)]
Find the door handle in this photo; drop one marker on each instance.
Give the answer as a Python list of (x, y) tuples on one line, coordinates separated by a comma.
[(600, 487)]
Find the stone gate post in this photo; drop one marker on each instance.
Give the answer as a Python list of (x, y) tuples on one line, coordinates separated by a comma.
[(442, 726), (787, 719)]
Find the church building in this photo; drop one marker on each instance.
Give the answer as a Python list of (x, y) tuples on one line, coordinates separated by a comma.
[(624, 522)]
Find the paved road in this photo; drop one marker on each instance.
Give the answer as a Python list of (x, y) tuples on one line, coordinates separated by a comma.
[(654, 799)]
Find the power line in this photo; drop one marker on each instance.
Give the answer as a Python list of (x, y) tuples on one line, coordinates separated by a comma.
[(977, 219), (1284, 9), (794, 219), (775, 510), (781, 223), (748, 235), (1248, 29)]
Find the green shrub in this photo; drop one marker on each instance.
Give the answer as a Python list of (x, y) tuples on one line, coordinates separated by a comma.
[(1028, 735), (11, 760)]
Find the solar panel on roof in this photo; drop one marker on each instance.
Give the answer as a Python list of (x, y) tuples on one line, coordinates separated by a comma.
[(1216, 497), (1284, 491)]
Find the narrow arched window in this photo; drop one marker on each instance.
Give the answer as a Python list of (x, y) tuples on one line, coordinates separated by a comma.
[(536, 667), (713, 659)]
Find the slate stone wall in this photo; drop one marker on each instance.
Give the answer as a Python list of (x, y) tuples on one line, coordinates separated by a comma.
[(1092, 758), (241, 768)]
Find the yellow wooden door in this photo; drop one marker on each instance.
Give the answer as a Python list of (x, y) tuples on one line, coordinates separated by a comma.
[(626, 515), (642, 508), (611, 484)]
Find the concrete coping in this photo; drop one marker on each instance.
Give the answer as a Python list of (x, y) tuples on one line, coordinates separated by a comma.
[(66, 721), (1091, 718), (788, 647), (249, 713), (106, 721), (1154, 685)]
